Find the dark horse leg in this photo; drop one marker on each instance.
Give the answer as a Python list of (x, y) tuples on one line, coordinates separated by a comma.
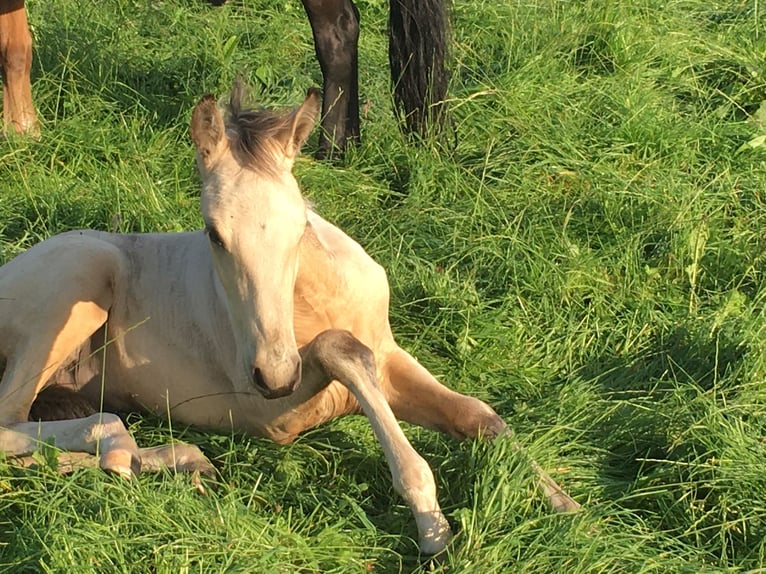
[(418, 40), (335, 25)]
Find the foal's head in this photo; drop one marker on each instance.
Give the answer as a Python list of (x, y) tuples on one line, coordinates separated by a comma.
[(255, 217)]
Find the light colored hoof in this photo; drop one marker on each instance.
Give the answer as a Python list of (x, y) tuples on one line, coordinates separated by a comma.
[(559, 500), (179, 457), (433, 540), (122, 462), (562, 502)]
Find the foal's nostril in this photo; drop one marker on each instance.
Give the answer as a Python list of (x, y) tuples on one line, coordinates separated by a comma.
[(276, 392), (296, 380), (259, 381)]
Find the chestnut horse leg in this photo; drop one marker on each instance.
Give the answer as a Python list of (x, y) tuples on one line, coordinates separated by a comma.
[(335, 26), (16, 64)]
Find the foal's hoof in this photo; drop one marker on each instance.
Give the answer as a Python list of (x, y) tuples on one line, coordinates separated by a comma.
[(476, 419), (434, 539), (558, 499), (122, 462), (562, 502), (180, 457)]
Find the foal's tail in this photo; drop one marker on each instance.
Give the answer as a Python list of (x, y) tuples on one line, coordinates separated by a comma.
[(418, 40)]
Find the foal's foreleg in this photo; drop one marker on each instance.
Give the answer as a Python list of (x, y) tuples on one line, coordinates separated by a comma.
[(417, 397), (338, 355)]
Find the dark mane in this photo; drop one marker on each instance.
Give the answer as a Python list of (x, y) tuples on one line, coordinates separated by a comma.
[(254, 127)]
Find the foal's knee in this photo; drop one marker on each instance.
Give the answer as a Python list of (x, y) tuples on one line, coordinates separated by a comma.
[(342, 356), (473, 418)]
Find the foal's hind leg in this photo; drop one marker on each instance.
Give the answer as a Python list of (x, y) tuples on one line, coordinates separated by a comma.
[(417, 397), (43, 339), (27, 372), (54, 298), (177, 457), (338, 355), (57, 403), (101, 433)]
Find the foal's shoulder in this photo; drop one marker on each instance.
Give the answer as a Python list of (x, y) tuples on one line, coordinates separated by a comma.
[(334, 240), (350, 263)]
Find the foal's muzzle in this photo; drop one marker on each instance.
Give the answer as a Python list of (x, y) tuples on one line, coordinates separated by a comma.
[(271, 391)]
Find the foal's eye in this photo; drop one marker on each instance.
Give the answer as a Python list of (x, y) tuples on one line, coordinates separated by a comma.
[(213, 236)]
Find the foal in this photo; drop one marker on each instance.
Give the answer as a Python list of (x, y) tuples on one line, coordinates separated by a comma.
[(270, 321)]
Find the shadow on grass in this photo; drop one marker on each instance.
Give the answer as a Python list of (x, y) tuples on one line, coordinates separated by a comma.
[(334, 473), (674, 447), (85, 62), (651, 393)]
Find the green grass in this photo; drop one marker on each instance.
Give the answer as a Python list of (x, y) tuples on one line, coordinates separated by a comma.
[(585, 252)]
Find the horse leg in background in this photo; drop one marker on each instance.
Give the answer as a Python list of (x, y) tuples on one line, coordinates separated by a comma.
[(417, 397), (338, 355), (16, 64), (335, 26), (417, 52)]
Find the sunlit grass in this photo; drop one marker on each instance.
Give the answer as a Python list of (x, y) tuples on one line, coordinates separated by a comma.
[(583, 250)]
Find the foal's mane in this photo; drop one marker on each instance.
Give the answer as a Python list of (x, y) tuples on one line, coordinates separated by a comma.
[(255, 129)]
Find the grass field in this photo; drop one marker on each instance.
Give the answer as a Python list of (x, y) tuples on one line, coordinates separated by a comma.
[(584, 251)]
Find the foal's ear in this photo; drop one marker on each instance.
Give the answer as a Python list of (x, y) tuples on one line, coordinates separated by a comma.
[(301, 121), (207, 130)]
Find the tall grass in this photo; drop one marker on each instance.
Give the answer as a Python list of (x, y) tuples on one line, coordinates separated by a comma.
[(584, 250)]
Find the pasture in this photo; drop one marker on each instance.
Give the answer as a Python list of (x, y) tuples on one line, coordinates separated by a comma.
[(584, 251)]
